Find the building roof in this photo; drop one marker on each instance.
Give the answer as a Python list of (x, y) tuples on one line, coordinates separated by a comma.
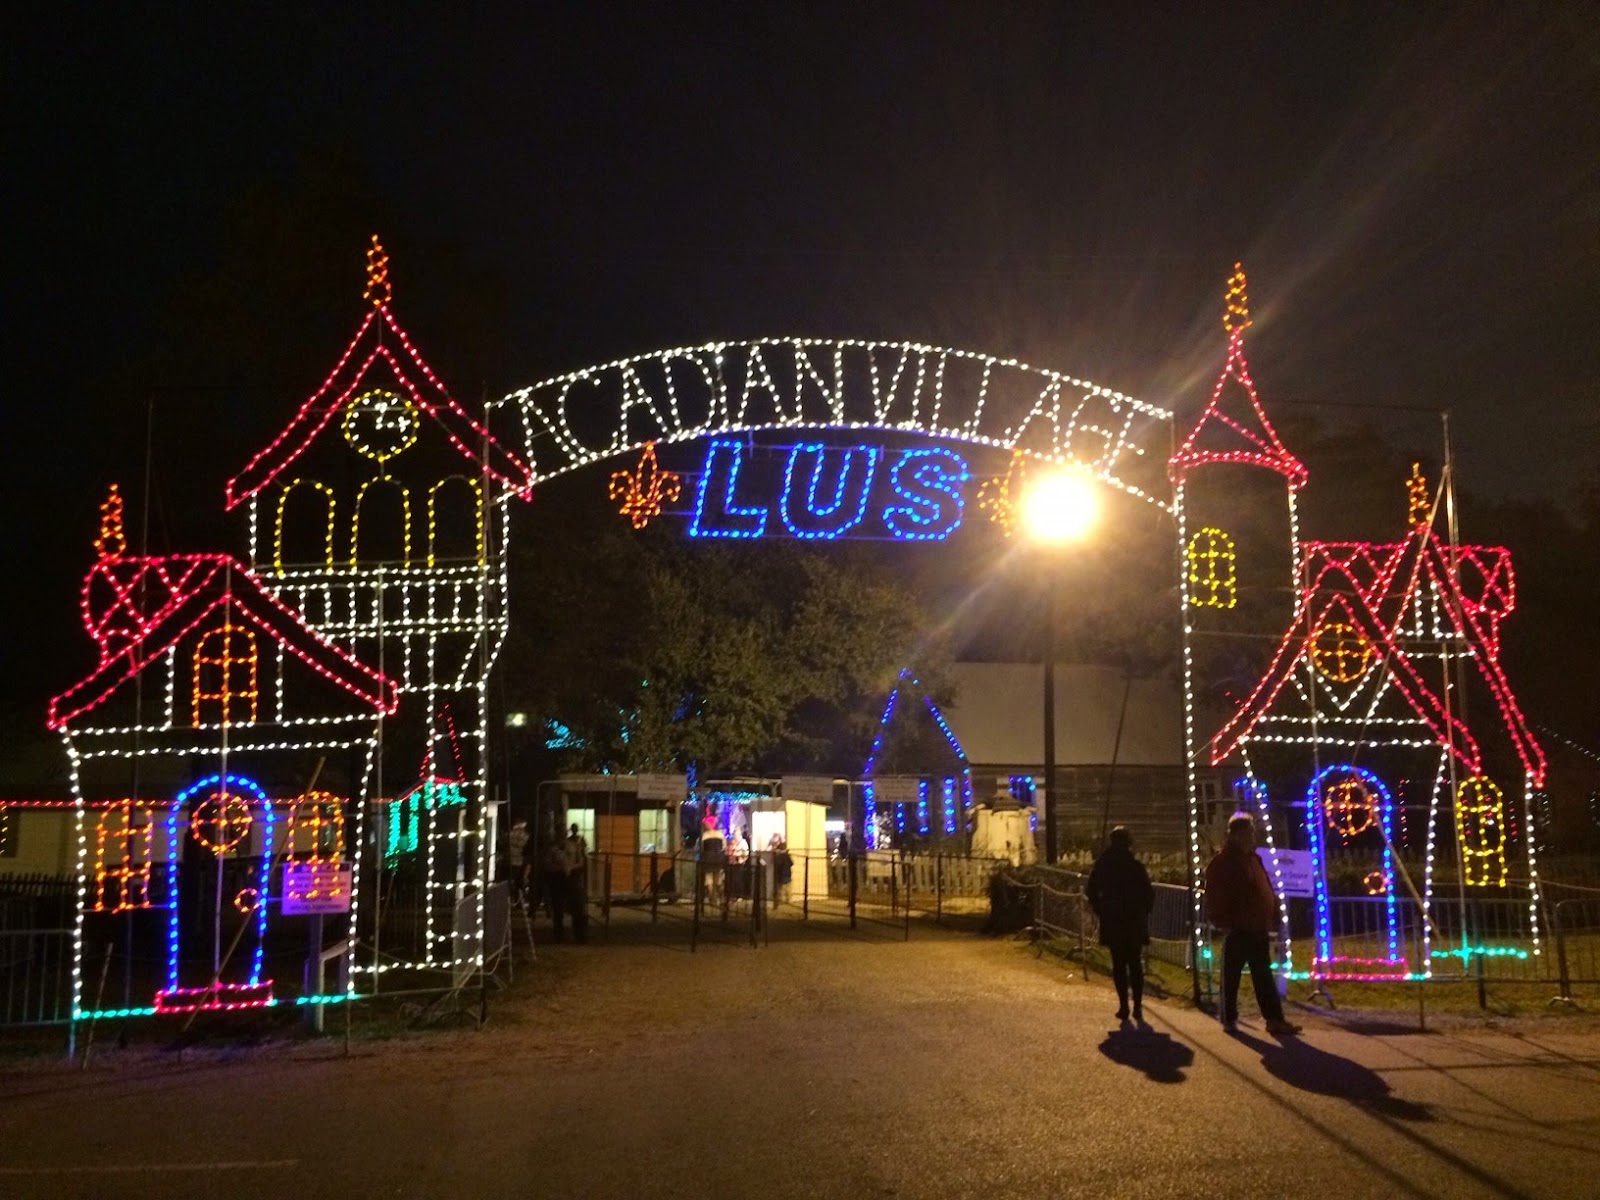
[(998, 716), (1234, 428)]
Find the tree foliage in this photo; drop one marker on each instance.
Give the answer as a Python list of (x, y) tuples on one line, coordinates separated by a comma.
[(655, 651)]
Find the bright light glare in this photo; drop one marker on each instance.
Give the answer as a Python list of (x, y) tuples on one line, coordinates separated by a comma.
[(1059, 504)]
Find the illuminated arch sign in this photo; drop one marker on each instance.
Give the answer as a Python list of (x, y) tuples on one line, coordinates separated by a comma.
[(827, 492), (847, 387)]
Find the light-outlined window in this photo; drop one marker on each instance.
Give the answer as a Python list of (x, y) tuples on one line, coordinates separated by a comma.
[(225, 676), (1481, 832), (380, 529), (303, 532), (316, 828), (122, 858), (1213, 569), (455, 520)]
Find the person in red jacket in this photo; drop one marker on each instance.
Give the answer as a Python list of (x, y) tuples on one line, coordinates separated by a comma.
[(1239, 899)]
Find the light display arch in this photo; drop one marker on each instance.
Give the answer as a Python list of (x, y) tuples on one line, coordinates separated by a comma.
[(616, 409)]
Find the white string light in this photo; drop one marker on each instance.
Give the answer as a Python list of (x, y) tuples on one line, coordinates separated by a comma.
[(717, 388)]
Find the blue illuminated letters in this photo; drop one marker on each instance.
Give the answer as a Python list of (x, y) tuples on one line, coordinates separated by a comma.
[(929, 483), (715, 513), (844, 478), (827, 492)]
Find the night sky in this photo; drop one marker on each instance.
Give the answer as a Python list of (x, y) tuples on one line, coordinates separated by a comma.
[(1414, 191)]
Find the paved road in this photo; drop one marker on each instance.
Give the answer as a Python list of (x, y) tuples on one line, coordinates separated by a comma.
[(822, 1066)]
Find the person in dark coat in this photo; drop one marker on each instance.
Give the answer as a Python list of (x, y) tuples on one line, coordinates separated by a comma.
[(553, 884), (782, 870), (1119, 891), (577, 851)]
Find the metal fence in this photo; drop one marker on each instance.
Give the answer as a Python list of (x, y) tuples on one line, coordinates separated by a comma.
[(1575, 928), (742, 899), (35, 977), (37, 900), (1359, 939)]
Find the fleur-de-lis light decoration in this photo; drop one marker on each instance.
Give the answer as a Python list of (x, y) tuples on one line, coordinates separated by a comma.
[(998, 495), (378, 291), (1236, 314), (1416, 498), (111, 543), (644, 490)]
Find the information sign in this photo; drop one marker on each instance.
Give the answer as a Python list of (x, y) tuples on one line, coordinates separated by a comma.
[(814, 789), (310, 888), (662, 787), (897, 789), (1294, 870)]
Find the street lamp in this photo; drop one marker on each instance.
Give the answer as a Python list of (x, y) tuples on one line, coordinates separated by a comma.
[(1059, 506)]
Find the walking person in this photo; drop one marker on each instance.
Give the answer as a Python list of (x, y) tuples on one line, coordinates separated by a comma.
[(516, 860), (713, 861), (553, 883), (782, 870), (1119, 891), (1239, 899), (577, 856), (530, 874)]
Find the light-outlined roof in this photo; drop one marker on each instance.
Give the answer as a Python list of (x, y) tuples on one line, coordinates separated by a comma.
[(1375, 589), (138, 608), (371, 353), (1234, 428)]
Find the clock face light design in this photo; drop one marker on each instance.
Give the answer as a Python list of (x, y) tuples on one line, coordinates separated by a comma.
[(380, 424)]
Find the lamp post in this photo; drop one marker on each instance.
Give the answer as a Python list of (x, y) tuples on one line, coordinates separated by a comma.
[(1059, 505)]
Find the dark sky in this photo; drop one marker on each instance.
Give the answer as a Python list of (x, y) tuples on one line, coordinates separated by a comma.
[(1414, 190)]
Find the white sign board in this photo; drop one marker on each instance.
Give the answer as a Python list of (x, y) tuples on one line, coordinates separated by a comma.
[(662, 787), (1294, 871), (897, 789), (312, 888), (813, 789)]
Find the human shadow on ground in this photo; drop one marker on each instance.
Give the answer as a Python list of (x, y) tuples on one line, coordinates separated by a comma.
[(1301, 1065), (1147, 1050)]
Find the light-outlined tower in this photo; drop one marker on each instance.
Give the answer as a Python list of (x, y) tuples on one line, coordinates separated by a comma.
[(1234, 489), (377, 512)]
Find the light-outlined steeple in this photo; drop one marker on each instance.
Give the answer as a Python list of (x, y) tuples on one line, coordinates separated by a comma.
[(1234, 428)]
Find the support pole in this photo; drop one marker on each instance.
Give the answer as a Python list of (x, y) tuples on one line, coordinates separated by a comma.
[(850, 868), (313, 972), (1047, 793)]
